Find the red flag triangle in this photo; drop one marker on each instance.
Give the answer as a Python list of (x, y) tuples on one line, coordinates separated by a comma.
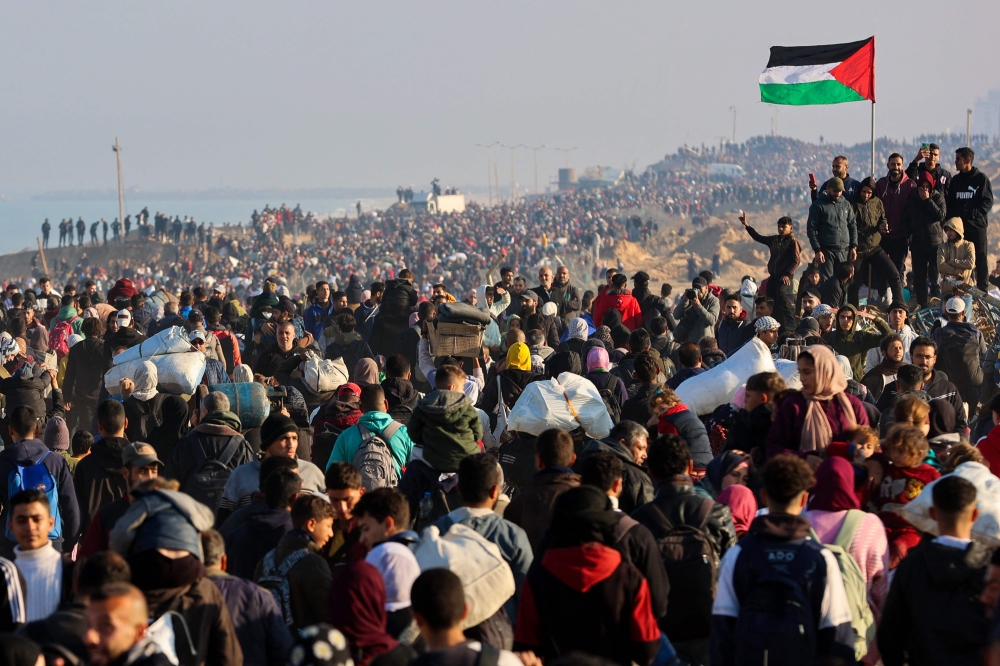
[(858, 71)]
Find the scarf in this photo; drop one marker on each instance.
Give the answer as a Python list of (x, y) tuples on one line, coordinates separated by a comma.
[(742, 505), (146, 378), (242, 374), (721, 465), (817, 432), (366, 372), (519, 357), (597, 359), (835, 486), (888, 367), (578, 328), (357, 608)]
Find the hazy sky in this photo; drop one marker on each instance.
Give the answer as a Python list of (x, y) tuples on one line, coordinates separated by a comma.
[(328, 94)]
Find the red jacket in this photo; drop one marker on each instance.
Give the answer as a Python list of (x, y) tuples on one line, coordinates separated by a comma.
[(624, 303), (989, 446)]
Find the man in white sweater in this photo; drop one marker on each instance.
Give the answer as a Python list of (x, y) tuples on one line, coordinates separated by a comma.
[(40, 564)]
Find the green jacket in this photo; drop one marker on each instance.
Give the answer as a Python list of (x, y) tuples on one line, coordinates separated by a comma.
[(870, 215), (855, 345), (447, 426)]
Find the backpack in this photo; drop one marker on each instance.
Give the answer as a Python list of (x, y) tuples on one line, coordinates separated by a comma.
[(776, 624), (610, 401), (39, 477), (274, 579), (374, 460), (626, 371), (444, 500), (210, 475), (401, 414), (862, 619), (59, 338), (691, 564), (150, 421)]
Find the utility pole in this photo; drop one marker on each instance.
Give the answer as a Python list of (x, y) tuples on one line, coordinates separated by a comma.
[(733, 109), (968, 128), (566, 152), (496, 177), (776, 121), (535, 150), (121, 197)]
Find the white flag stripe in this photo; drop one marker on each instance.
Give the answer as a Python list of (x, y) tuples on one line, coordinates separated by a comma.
[(808, 74)]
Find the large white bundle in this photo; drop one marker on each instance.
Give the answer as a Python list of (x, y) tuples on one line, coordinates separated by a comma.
[(173, 340), (789, 371), (321, 375), (176, 373), (987, 527), (704, 392), (543, 405)]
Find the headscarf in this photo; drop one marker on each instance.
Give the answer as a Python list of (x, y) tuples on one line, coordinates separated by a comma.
[(320, 645), (550, 309), (18, 651), (242, 374), (816, 432), (742, 505), (581, 515), (174, 426), (721, 465), (519, 357), (845, 367), (597, 359), (146, 378), (603, 333), (357, 608), (578, 328), (567, 361), (835, 486), (56, 435), (366, 372)]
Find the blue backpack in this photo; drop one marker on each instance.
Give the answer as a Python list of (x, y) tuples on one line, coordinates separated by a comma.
[(39, 477), (776, 624)]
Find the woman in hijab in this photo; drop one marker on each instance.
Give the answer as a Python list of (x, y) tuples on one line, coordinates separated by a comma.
[(173, 428), (366, 372), (142, 404), (742, 506), (833, 502), (729, 468), (357, 609), (578, 330), (242, 374), (821, 413), (599, 372), (509, 382), (942, 435), (885, 372)]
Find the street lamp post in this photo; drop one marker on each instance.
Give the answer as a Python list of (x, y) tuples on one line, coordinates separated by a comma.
[(566, 152), (733, 109), (535, 149), (489, 168)]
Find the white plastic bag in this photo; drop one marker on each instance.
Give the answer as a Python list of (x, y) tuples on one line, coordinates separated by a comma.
[(789, 371), (987, 527), (544, 405), (486, 577), (703, 393), (178, 374), (173, 340), (321, 375), (748, 292)]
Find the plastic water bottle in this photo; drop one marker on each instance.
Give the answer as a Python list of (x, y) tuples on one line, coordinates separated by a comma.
[(426, 506)]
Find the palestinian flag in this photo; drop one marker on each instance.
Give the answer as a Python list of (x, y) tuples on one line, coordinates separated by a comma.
[(828, 74)]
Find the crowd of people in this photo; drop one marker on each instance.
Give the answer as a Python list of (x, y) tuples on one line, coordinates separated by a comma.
[(333, 488)]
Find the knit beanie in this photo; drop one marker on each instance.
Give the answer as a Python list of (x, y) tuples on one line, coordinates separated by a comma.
[(274, 427), (56, 435)]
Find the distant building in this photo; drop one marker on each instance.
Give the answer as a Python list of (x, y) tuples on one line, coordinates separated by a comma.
[(441, 203), (600, 177)]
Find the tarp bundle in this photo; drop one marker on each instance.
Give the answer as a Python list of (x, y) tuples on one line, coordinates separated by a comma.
[(179, 368), (568, 402), (173, 340), (986, 530), (703, 393)]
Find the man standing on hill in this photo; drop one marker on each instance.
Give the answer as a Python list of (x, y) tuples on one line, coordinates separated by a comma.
[(894, 189), (970, 197), (839, 170), (832, 229)]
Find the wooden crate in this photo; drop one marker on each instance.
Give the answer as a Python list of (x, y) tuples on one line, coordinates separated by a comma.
[(448, 339)]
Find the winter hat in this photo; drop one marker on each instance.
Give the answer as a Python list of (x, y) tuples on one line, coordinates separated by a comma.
[(835, 184), (581, 515), (320, 645), (274, 427), (73, 339), (56, 435), (550, 309), (578, 328), (603, 333)]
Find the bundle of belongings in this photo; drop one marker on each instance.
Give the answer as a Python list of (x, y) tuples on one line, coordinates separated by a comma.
[(458, 331)]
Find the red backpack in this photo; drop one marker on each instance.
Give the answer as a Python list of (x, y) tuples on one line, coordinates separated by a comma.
[(59, 338)]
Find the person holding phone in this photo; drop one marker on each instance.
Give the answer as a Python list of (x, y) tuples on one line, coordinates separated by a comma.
[(839, 170), (928, 161)]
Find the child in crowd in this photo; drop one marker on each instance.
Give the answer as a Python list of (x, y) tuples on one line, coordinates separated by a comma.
[(862, 443), (956, 258), (754, 421), (961, 453), (897, 479), (671, 416), (344, 490), (445, 423), (80, 447)]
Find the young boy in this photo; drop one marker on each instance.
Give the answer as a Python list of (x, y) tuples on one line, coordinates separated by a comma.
[(47, 574), (754, 421), (956, 258), (82, 441), (781, 265), (933, 614), (295, 571), (344, 489), (781, 536), (897, 479), (382, 517), (445, 424)]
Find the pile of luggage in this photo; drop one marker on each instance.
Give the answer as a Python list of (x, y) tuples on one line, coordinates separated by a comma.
[(458, 330)]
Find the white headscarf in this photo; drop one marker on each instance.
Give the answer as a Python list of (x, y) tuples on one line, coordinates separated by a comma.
[(242, 374), (145, 380)]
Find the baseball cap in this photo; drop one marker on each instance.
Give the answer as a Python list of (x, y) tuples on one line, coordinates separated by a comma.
[(835, 184), (820, 310), (348, 391), (699, 282), (196, 334), (954, 306), (530, 295), (218, 288), (139, 454), (124, 317)]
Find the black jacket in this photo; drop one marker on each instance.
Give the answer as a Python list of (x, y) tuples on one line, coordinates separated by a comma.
[(638, 547), (532, 508), (678, 502), (637, 488), (942, 177), (27, 391), (257, 619), (970, 197), (84, 371), (961, 349), (213, 439), (932, 614), (98, 477), (250, 542), (785, 253), (833, 292), (938, 388), (922, 219)]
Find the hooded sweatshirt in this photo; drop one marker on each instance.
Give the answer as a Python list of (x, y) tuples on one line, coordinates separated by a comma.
[(956, 259), (249, 543), (970, 197), (447, 426), (855, 344), (29, 452), (348, 442), (98, 477)]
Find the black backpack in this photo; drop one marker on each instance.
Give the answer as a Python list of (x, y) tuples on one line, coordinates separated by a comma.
[(151, 420), (692, 564), (210, 475), (776, 623), (443, 502), (608, 396), (626, 371), (959, 359)]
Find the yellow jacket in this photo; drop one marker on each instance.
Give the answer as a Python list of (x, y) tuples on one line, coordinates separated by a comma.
[(956, 260)]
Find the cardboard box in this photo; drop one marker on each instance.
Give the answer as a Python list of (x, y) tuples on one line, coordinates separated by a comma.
[(448, 339)]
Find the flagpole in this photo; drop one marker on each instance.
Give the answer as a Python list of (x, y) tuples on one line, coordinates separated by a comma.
[(873, 138)]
